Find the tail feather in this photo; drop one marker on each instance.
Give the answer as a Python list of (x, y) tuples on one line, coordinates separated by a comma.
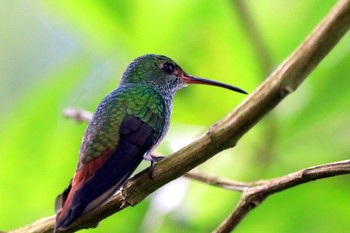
[(90, 187)]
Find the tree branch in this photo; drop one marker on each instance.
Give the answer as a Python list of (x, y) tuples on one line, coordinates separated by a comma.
[(226, 133), (258, 192)]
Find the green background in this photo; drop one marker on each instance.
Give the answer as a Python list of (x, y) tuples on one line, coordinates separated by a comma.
[(55, 54)]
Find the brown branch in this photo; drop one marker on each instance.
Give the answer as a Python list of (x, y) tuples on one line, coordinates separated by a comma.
[(41, 225), (258, 192), (226, 133), (217, 181)]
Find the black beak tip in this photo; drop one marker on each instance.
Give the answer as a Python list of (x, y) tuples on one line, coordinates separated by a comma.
[(240, 91)]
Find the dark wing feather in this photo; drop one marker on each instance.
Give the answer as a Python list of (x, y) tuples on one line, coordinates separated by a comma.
[(91, 186)]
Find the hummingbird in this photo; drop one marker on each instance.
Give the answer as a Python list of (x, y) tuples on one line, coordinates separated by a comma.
[(126, 127)]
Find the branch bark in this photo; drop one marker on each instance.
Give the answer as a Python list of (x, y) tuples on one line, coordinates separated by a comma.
[(227, 132)]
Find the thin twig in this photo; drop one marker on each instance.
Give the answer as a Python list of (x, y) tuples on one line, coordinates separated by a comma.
[(226, 133), (217, 181), (78, 115)]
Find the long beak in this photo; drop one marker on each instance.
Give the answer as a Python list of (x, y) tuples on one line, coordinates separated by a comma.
[(195, 80)]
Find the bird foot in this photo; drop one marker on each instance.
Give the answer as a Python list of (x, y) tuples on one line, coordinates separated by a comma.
[(153, 159)]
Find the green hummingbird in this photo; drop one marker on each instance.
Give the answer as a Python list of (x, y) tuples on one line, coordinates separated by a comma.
[(126, 127)]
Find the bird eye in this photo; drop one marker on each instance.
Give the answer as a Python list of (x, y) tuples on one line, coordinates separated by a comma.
[(168, 67)]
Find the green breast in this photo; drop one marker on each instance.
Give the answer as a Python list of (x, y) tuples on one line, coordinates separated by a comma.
[(102, 133)]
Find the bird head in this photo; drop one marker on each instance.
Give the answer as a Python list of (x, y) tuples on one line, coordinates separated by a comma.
[(163, 74)]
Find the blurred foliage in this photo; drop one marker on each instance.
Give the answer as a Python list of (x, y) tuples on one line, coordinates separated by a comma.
[(55, 54)]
